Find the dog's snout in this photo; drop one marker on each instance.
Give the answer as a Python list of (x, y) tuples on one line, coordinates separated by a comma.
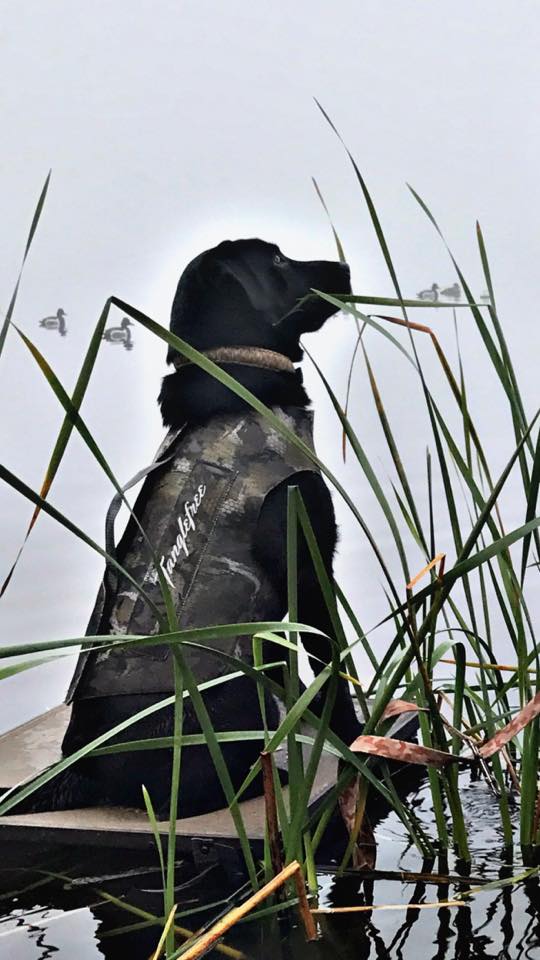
[(341, 277)]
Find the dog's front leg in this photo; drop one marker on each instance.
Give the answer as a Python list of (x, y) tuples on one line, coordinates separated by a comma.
[(271, 550)]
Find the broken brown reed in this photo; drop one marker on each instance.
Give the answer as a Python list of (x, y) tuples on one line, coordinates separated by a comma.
[(306, 914), (486, 666), (511, 770), (530, 711), (183, 932), (410, 876), (429, 566), (274, 836), (291, 872), (390, 906), (403, 751), (396, 707), (406, 752)]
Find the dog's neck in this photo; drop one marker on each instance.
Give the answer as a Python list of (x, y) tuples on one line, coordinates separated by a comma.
[(246, 356), (190, 394)]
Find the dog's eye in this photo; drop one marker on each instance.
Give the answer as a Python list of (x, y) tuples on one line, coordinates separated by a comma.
[(278, 259)]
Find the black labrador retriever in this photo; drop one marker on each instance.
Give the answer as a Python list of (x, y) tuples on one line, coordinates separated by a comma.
[(247, 297)]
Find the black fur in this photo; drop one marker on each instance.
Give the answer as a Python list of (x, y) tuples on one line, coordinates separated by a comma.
[(241, 293)]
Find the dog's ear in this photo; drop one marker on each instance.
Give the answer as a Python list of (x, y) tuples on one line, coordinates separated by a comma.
[(239, 273), (248, 288), (209, 288)]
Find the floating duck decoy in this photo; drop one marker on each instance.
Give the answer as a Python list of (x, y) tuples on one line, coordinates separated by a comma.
[(121, 334), (432, 293), (453, 292), (56, 321)]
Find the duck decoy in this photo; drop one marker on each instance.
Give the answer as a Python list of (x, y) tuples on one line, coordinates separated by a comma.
[(453, 292), (56, 321), (432, 293), (121, 334)]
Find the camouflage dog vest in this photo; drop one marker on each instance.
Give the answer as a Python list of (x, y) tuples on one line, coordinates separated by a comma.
[(199, 510)]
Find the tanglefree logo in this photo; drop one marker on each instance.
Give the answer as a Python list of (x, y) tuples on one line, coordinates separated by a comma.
[(186, 524)]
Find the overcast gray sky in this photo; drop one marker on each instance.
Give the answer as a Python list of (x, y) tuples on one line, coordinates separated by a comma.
[(172, 125)]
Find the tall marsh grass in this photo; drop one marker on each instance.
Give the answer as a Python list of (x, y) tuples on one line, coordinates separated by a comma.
[(432, 622)]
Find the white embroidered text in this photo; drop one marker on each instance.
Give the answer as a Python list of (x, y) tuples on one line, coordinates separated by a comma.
[(186, 524)]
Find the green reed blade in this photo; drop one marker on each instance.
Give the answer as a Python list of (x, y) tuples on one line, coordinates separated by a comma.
[(498, 364), (77, 421), (464, 562), (339, 248), (295, 759), (369, 321), (492, 308), (15, 668), (65, 431), (403, 302), (193, 634), (197, 739), (367, 469), (532, 500), (26, 491), (31, 233), (353, 619), (414, 523), (14, 795), (155, 830), (327, 590)]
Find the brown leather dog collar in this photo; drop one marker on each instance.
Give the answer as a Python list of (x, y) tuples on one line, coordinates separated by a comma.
[(247, 356)]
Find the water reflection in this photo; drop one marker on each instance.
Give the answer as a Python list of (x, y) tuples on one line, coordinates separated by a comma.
[(41, 900), (500, 924), (57, 321), (56, 898), (105, 904)]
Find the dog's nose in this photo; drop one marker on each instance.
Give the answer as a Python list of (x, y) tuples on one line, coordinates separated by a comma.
[(345, 274)]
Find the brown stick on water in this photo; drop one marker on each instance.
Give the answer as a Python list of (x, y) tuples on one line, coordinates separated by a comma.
[(303, 906), (274, 837), (215, 933)]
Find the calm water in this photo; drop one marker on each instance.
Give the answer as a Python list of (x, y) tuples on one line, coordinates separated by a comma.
[(57, 905)]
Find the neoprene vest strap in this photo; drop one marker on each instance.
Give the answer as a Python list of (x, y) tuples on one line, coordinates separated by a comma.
[(111, 572)]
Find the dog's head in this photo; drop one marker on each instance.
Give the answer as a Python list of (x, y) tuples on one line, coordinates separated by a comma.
[(248, 293)]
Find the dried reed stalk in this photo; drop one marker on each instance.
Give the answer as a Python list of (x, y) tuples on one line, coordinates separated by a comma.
[(274, 837), (292, 871)]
